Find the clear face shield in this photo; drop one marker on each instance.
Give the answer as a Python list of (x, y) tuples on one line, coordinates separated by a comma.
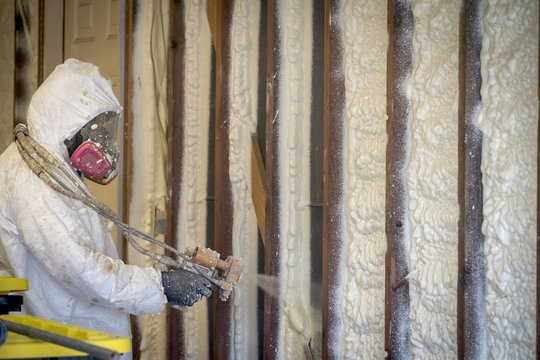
[(94, 150)]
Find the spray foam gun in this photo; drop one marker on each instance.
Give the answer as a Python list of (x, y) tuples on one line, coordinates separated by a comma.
[(225, 274), (227, 271)]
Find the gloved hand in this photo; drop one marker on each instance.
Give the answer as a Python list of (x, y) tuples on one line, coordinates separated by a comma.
[(183, 287)]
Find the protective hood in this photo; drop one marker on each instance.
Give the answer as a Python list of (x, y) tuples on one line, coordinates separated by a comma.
[(70, 97)]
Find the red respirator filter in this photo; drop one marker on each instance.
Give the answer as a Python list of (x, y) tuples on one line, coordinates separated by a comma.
[(89, 159)]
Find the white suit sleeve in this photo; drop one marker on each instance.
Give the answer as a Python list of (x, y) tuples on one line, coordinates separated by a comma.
[(63, 242)]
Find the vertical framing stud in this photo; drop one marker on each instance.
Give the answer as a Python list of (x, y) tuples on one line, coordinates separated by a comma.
[(333, 228), (471, 263), (175, 139), (223, 215), (397, 329), (273, 244)]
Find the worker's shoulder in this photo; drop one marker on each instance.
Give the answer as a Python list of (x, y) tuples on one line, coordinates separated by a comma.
[(11, 163), (15, 175), (10, 160)]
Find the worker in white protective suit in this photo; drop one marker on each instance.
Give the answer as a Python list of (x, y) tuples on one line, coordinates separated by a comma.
[(64, 249)]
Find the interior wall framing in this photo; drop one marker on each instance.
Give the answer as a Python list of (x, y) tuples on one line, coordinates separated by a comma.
[(397, 333)]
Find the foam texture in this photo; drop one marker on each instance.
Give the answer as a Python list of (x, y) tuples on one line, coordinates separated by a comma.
[(509, 123), (432, 179), (365, 48)]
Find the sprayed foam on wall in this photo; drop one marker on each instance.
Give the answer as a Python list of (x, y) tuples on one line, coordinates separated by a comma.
[(509, 123), (294, 103), (243, 123), (149, 113), (365, 44), (508, 119), (432, 179), (193, 192)]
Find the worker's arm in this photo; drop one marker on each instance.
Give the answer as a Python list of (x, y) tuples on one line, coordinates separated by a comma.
[(67, 240)]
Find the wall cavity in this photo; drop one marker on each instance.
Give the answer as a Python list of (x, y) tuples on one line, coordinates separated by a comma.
[(192, 213), (294, 104), (432, 179), (363, 304), (244, 45), (149, 116), (509, 123)]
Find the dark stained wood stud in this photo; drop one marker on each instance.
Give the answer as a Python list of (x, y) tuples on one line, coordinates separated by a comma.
[(130, 11), (397, 326), (471, 260), (175, 139), (273, 243), (333, 168), (223, 211)]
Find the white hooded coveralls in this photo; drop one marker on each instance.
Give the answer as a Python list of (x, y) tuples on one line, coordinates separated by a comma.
[(62, 248)]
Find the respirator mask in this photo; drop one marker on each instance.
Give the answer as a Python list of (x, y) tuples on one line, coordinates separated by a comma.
[(93, 149)]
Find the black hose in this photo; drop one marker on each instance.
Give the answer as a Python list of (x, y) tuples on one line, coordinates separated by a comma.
[(3, 332), (75, 344)]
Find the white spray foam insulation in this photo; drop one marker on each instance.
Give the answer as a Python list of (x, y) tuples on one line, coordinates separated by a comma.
[(149, 106), (509, 123), (243, 122), (294, 104), (192, 213), (432, 176), (363, 303), (508, 119)]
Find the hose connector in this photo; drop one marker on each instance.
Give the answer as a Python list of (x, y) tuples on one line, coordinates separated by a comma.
[(20, 128)]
